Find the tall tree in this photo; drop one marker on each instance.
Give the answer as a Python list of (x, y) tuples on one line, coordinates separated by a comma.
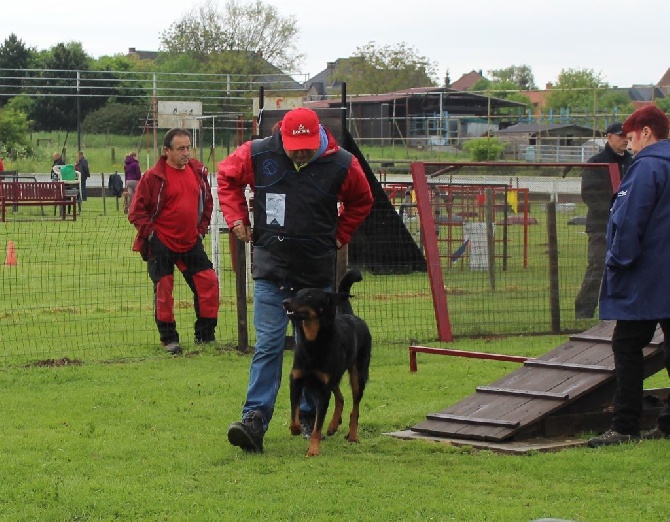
[(577, 90), (255, 29), (585, 95), (58, 94), (15, 57), (519, 75), (374, 70), (122, 85)]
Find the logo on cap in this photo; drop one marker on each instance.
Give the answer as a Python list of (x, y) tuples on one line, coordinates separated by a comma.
[(301, 130)]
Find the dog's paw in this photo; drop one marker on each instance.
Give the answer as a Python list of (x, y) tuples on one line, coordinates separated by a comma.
[(295, 429), (352, 437), (313, 453)]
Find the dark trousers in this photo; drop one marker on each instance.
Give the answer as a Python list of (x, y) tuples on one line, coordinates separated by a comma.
[(628, 340), (201, 278), (84, 195), (587, 298)]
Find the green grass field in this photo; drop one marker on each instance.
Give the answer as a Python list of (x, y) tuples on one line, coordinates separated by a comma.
[(99, 424), (146, 440)]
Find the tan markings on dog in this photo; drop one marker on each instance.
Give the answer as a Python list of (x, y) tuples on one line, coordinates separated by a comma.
[(295, 422), (353, 380), (352, 436), (322, 377), (310, 328), (337, 414), (297, 373), (314, 448)]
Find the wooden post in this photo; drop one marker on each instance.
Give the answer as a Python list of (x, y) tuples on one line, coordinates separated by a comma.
[(238, 254), (552, 241), (490, 239), (103, 192)]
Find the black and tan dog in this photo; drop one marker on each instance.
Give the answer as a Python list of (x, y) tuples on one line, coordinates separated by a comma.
[(329, 340)]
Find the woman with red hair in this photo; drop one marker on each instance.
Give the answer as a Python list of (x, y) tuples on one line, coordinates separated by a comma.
[(636, 283)]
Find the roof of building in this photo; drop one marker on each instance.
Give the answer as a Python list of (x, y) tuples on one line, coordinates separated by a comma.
[(466, 81), (142, 55), (453, 100)]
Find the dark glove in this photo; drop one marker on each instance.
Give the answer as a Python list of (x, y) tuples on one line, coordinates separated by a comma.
[(145, 251)]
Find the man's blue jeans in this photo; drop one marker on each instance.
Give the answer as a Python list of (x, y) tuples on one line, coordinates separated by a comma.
[(270, 322)]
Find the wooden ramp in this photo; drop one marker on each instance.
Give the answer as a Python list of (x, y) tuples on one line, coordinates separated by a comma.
[(562, 393)]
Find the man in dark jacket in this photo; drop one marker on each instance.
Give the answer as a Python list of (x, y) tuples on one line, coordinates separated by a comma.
[(298, 175), (636, 283), (85, 173), (171, 210), (597, 193)]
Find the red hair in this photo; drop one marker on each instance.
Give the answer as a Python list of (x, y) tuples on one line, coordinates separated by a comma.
[(648, 116)]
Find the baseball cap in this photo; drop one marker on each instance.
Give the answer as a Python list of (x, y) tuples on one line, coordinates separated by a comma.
[(300, 130), (615, 128)]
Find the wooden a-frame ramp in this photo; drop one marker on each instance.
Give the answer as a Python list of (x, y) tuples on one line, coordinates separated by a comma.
[(544, 404)]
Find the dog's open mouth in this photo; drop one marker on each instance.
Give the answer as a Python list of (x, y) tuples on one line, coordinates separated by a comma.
[(296, 313)]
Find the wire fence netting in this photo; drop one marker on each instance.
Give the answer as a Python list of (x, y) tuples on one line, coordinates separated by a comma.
[(74, 289)]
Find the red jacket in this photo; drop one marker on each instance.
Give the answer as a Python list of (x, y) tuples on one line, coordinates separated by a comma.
[(236, 172), (147, 202)]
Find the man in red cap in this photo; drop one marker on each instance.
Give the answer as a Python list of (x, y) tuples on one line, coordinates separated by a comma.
[(299, 175)]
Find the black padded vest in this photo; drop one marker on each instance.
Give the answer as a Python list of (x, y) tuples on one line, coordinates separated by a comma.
[(295, 215)]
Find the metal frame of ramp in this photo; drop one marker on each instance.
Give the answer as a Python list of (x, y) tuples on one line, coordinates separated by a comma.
[(575, 380)]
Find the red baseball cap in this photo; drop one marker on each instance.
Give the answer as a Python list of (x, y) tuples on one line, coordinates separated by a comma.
[(300, 130)]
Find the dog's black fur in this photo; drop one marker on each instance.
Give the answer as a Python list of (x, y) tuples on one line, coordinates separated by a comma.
[(329, 340)]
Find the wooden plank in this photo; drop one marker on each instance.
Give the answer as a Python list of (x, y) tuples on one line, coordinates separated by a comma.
[(539, 444), (593, 338), (524, 393), (599, 354), (518, 404), (603, 331), (513, 411), (471, 420), (570, 366), (589, 338)]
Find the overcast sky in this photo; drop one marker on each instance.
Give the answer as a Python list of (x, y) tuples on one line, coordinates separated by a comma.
[(625, 42)]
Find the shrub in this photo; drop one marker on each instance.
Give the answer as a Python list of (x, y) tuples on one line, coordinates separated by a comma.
[(14, 132), (484, 149), (116, 118)]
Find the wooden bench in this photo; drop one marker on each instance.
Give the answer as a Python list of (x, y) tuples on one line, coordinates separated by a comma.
[(34, 193)]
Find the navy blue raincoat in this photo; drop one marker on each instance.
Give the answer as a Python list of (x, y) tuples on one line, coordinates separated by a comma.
[(636, 282)]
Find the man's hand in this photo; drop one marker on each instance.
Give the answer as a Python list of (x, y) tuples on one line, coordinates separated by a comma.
[(241, 231)]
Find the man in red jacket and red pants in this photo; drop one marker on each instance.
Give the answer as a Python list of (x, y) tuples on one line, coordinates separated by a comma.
[(171, 210)]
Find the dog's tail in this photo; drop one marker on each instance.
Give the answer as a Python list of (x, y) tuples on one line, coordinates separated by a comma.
[(348, 279)]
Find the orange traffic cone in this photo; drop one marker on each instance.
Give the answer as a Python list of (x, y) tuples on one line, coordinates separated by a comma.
[(10, 258)]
